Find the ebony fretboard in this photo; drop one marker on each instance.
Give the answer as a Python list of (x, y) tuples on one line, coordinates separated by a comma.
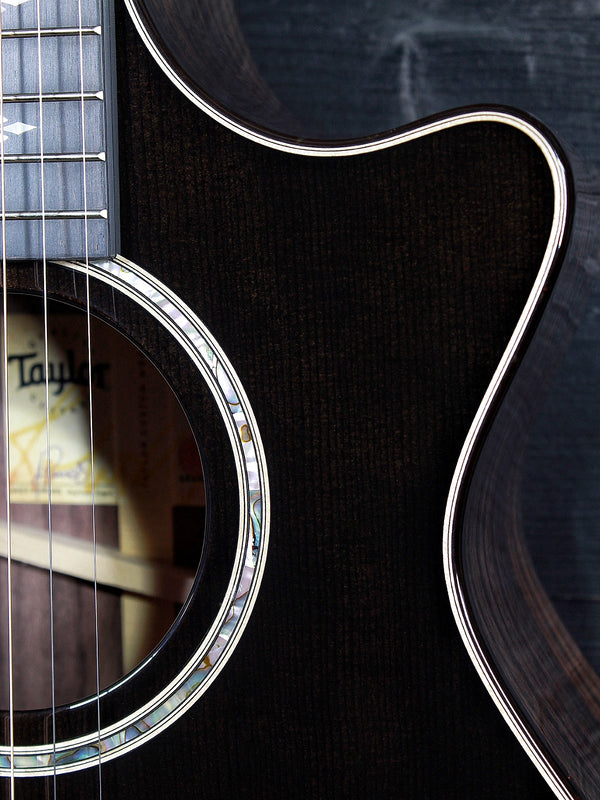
[(59, 129)]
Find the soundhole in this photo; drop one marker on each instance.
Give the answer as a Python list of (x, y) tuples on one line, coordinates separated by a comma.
[(121, 521)]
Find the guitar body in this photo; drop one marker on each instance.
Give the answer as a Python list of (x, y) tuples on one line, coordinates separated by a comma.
[(364, 302)]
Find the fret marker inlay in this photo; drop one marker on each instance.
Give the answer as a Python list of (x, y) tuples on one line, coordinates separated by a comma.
[(17, 128)]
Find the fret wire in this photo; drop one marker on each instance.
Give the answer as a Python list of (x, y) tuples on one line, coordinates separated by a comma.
[(34, 158), (12, 216), (52, 97), (31, 33)]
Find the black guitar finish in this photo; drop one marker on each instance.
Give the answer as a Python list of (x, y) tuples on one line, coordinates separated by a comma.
[(365, 303)]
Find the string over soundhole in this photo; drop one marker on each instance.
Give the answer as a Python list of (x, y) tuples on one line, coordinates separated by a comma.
[(146, 506)]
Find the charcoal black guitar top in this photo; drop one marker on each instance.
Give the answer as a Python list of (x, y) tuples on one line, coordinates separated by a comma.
[(330, 316)]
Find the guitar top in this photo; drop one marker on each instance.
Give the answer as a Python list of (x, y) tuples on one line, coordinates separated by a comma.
[(364, 300)]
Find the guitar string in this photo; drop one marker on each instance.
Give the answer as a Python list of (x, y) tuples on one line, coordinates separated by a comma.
[(46, 384), (90, 397), (6, 427), (6, 430)]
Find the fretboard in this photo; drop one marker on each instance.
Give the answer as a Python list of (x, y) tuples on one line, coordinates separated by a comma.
[(59, 172)]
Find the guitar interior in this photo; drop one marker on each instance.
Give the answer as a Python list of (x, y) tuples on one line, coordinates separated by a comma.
[(144, 506)]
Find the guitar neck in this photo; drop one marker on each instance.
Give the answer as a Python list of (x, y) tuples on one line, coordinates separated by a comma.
[(59, 107)]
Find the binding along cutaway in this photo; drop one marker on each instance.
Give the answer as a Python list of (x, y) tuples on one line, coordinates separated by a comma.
[(361, 295)]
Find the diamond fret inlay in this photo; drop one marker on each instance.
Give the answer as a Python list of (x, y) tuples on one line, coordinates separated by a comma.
[(16, 128), (13, 3)]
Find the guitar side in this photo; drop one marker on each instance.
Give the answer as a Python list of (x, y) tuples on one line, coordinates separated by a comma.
[(524, 650)]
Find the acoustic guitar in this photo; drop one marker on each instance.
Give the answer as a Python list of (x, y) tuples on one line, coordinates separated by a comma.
[(329, 316)]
